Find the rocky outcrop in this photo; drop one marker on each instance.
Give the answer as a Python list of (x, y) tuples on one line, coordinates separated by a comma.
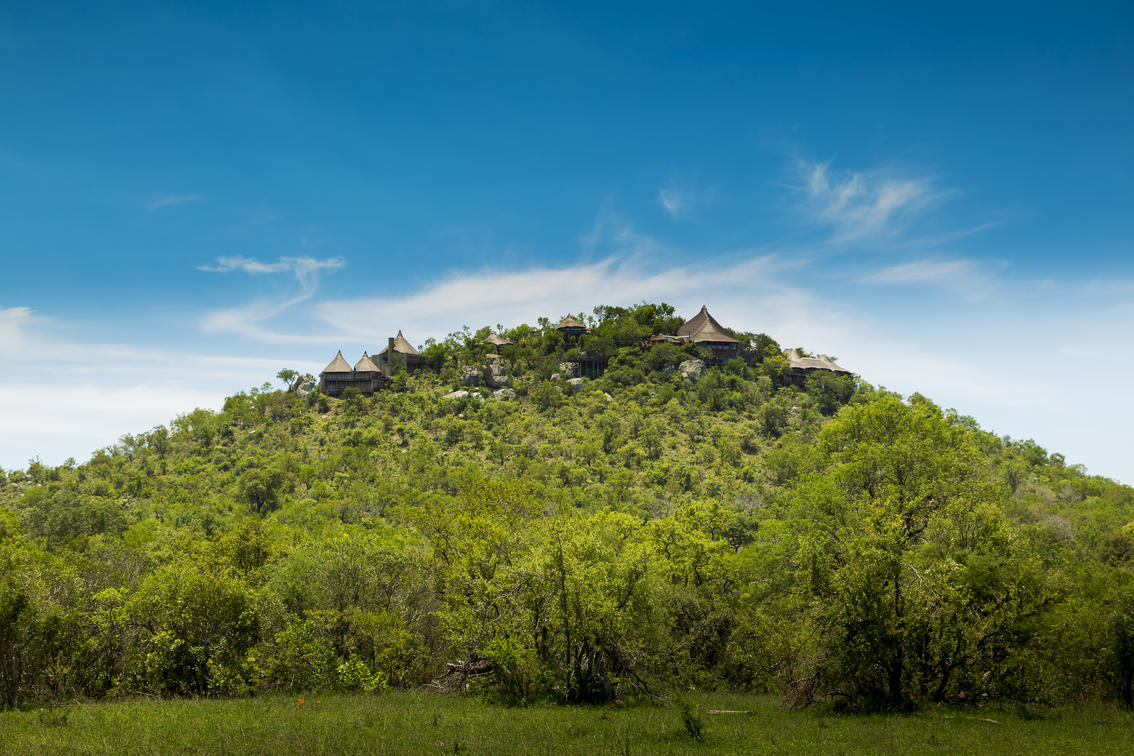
[(569, 369), (470, 376), (305, 385), (458, 394), (692, 370), (575, 384), (494, 374), (504, 393)]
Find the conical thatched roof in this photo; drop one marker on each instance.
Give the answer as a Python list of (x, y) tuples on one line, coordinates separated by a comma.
[(569, 322), (338, 365), (497, 340), (704, 327), (365, 365), (401, 346)]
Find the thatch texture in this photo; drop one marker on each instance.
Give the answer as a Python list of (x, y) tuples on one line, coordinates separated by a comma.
[(703, 328), (497, 340), (570, 324), (822, 362), (338, 365), (365, 365)]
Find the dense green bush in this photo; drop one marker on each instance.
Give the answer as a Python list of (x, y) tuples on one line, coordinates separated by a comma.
[(827, 542)]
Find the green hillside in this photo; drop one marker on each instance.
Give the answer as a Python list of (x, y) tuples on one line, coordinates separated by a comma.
[(640, 534)]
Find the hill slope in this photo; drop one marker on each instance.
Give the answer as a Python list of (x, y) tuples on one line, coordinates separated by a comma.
[(645, 533)]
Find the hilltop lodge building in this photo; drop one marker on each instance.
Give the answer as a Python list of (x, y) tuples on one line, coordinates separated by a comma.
[(703, 330), (371, 374), (367, 375)]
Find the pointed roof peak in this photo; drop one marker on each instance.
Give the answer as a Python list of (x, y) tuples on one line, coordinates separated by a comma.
[(400, 345), (365, 365), (337, 365), (704, 327)]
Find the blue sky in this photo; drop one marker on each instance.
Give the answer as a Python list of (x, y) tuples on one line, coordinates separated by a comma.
[(195, 195)]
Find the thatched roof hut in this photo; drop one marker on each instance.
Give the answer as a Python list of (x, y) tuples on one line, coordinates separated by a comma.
[(703, 328), (410, 357), (570, 325), (399, 345), (365, 365), (338, 365)]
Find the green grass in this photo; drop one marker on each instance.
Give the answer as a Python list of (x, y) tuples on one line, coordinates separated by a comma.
[(433, 724)]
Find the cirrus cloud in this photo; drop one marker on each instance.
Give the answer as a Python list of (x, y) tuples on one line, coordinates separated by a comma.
[(857, 206)]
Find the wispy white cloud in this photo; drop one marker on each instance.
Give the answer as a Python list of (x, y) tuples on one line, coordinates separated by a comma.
[(171, 199), (971, 279), (675, 201), (866, 205), (744, 283), (251, 319), (64, 396), (515, 296), (1117, 289), (39, 346), (930, 241), (56, 422), (303, 267), (12, 321), (683, 202), (922, 271)]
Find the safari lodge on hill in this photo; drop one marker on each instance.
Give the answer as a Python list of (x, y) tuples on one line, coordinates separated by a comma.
[(368, 375), (371, 374), (571, 327), (704, 331), (339, 376), (398, 351)]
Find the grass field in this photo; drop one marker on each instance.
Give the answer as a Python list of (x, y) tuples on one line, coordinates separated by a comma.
[(433, 724)]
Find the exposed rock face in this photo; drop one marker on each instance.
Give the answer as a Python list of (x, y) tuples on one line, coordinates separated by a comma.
[(504, 393), (470, 376), (494, 374), (458, 394), (575, 384), (607, 396), (305, 385), (569, 369), (692, 370)]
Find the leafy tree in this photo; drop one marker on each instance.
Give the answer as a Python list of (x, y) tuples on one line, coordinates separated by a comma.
[(287, 376), (916, 588), (198, 627)]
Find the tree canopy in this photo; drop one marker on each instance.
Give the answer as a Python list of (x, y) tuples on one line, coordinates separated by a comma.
[(643, 533)]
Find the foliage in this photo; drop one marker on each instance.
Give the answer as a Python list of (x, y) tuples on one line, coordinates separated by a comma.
[(639, 535)]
